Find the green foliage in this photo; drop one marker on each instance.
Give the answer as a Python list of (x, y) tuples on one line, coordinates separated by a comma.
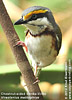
[(56, 5), (8, 69), (15, 2), (70, 54), (20, 31), (2, 51)]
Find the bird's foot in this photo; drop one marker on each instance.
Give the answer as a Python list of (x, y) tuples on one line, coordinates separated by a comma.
[(22, 44), (36, 81)]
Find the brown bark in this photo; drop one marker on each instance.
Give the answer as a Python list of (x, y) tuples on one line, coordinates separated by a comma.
[(19, 54)]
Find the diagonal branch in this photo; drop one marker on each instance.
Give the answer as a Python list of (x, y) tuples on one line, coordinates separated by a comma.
[(19, 54)]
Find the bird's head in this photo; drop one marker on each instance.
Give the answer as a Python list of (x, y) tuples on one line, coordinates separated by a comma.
[(36, 19)]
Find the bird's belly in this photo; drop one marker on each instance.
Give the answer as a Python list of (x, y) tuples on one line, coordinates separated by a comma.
[(40, 50)]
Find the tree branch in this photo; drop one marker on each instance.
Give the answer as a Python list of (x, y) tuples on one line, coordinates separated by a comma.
[(18, 51)]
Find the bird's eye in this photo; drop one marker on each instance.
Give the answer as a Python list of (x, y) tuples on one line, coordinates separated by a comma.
[(34, 16)]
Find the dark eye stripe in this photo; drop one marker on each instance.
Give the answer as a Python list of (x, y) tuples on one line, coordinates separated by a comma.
[(36, 16)]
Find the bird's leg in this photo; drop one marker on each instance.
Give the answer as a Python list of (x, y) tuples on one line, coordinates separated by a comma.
[(35, 73), (22, 44)]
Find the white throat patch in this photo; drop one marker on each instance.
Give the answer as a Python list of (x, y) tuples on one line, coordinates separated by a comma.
[(39, 25)]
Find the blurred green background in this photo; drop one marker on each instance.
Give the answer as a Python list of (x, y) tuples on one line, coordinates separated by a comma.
[(9, 72)]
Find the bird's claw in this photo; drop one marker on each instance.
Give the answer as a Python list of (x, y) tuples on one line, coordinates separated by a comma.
[(36, 81), (20, 43)]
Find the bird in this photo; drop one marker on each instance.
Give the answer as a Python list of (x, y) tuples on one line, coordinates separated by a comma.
[(43, 37)]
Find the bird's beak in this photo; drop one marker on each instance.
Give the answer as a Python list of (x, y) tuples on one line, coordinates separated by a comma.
[(20, 21)]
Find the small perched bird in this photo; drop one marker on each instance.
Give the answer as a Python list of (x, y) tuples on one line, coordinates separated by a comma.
[(43, 38)]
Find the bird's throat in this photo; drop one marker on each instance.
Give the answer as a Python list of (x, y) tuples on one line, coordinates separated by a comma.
[(44, 32), (36, 29)]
